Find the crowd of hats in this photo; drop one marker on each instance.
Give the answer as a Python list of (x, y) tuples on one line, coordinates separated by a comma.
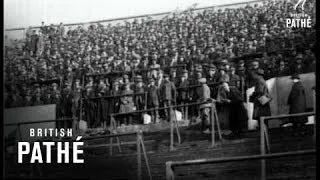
[(211, 37)]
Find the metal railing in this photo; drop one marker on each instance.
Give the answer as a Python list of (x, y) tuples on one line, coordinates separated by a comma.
[(264, 135), (171, 164), (173, 121), (139, 143), (263, 142)]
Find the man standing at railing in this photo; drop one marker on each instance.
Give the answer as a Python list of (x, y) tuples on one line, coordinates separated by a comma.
[(260, 97), (203, 94), (183, 94), (153, 100), (126, 103), (167, 94), (138, 88), (298, 103), (231, 105)]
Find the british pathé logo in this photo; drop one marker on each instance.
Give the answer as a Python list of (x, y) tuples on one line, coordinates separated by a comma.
[(302, 2), (299, 19)]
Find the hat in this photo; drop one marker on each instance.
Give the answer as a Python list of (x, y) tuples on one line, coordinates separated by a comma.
[(54, 84), (241, 68), (166, 75), (202, 80), (125, 76), (116, 83), (224, 79), (212, 67), (260, 72), (221, 67), (241, 62), (151, 80), (173, 69), (299, 56), (185, 71), (295, 76), (224, 62)]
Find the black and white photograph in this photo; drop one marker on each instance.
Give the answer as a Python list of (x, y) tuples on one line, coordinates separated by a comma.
[(159, 89)]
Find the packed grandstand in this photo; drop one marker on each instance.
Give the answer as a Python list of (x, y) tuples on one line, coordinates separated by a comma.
[(55, 64)]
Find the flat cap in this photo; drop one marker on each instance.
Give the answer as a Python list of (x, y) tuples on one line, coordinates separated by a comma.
[(202, 80)]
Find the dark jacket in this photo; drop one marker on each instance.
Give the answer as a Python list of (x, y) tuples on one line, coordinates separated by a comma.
[(153, 96), (168, 91), (297, 100)]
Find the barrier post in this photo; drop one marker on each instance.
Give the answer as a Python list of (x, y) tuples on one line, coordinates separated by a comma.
[(212, 127), (263, 149), (81, 97), (111, 146), (145, 153), (139, 154), (315, 119), (171, 131), (169, 172)]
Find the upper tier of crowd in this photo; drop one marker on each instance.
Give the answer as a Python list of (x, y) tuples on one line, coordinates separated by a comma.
[(217, 38)]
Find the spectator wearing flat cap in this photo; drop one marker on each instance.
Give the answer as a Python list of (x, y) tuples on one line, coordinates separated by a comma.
[(203, 95), (127, 104), (168, 94), (154, 68), (115, 101), (231, 111), (89, 105), (16, 100), (223, 74), (212, 79), (183, 94), (234, 78), (37, 100), (76, 96), (101, 106), (66, 101), (139, 100), (28, 100), (298, 66), (281, 70), (297, 102), (153, 100)]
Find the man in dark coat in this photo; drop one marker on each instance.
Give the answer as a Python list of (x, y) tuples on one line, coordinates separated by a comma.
[(183, 95), (126, 103), (261, 89), (237, 116), (297, 101), (115, 101), (90, 106), (66, 101), (138, 88), (168, 94), (153, 100)]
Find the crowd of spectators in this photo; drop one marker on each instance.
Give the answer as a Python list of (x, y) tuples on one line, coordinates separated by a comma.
[(208, 43)]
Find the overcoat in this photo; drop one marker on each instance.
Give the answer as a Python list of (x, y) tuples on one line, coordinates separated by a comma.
[(297, 101)]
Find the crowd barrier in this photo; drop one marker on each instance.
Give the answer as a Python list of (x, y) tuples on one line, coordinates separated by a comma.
[(171, 164), (173, 121), (264, 141)]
